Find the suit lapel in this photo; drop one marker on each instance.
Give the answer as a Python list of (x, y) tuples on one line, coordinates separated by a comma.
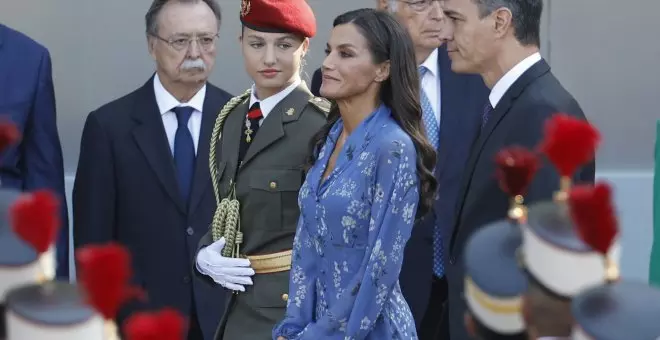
[(149, 134), (212, 106), (503, 106), (272, 128), (452, 88), (501, 109)]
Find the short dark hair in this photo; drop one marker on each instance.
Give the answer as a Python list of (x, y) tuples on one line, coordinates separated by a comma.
[(549, 312), (526, 17), (151, 18)]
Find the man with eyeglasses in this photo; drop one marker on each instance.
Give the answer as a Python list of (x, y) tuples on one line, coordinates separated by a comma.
[(143, 174), (451, 110)]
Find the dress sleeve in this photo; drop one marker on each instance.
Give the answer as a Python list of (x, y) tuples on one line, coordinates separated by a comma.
[(300, 306), (392, 217)]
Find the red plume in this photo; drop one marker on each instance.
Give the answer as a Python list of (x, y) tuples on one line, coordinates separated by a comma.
[(166, 324), (35, 218), (569, 143), (516, 167), (592, 210), (9, 134), (104, 273)]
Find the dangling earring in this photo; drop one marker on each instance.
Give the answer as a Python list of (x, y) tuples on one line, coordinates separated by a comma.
[(303, 62), (303, 74)]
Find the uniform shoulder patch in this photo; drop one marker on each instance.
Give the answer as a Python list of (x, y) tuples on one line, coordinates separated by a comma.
[(321, 104)]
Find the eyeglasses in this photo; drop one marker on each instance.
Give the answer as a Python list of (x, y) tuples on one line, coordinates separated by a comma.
[(181, 42), (419, 5)]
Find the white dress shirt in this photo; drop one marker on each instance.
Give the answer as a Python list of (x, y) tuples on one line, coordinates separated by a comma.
[(166, 102), (268, 104), (431, 83), (510, 77)]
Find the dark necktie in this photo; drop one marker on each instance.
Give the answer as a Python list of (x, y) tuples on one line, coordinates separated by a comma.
[(488, 111), (250, 129), (184, 151), (428, 116), (433, 135)]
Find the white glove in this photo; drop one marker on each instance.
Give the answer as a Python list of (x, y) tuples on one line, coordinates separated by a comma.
[(228, 272)]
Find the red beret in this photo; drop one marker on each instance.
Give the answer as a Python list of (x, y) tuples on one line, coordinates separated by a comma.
[(279, 16)]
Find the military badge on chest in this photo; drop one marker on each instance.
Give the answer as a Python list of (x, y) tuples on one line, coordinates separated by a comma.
[(248, 131)]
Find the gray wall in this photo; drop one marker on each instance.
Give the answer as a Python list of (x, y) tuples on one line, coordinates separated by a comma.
[(99, 51), (602, 52)]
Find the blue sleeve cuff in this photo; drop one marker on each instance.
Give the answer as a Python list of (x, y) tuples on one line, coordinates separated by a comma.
[(286, 330)]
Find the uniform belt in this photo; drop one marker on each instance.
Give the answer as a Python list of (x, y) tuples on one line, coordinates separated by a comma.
[(271, 263)]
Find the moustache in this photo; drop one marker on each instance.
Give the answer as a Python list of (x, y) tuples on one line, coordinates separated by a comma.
[(193, 64)]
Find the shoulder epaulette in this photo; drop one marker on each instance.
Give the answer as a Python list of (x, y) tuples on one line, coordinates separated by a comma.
[(321, 103), (243, 96), (235, 101)]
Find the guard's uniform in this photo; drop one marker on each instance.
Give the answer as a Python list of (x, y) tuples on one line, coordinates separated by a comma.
[(617, 311), (261, 163), (18, 261), (558, 260), (554, 255), (31, 307), (494, 281)]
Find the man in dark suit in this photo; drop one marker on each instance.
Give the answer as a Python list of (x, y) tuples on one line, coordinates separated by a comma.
[(27, 98), (499, 39), (143, 175)]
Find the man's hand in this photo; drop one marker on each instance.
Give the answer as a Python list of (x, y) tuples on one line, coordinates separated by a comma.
[(281, 338), (228, 272)]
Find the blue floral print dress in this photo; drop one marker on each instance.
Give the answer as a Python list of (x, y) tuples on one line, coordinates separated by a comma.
[(349, 243)]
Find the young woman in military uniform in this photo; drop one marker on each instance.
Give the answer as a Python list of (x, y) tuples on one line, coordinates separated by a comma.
[(259, 146)]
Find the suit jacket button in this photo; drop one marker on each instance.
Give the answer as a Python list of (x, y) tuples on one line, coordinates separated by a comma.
[(285, 297), (452, 260), (190, 231), (186, 279)]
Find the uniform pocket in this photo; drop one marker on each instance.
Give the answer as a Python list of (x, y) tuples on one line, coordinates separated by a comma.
[(271, 290), (274, 196)]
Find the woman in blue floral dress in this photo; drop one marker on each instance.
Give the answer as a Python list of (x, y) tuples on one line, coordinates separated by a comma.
[(370, 177)]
